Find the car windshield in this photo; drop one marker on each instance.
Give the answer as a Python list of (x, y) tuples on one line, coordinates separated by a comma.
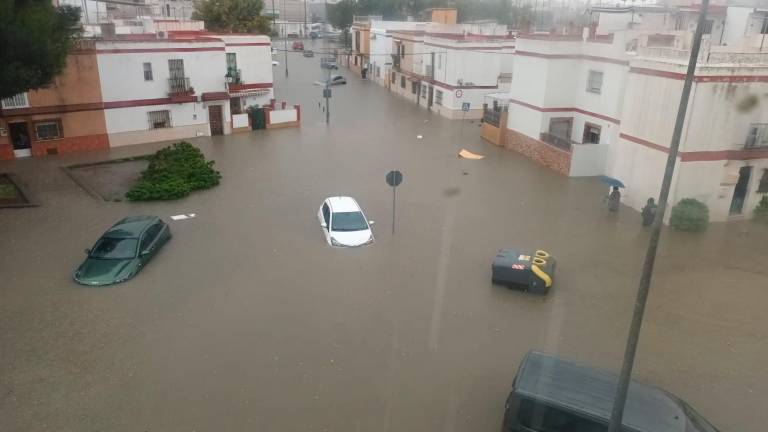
[(348, 221), (114, 248)]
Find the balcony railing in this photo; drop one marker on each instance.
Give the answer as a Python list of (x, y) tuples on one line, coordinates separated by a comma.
[(396, 61), (493, 117), (562, 143), (233, 76), (758, 137), (179, 86)]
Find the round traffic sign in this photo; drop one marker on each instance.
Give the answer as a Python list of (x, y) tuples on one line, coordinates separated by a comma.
[(459, 93), (394, 178)]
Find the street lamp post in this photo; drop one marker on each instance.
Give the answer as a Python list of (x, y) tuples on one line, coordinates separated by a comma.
[(653, 243)]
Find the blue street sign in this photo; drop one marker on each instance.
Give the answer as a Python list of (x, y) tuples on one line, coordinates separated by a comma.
[(465, 106)]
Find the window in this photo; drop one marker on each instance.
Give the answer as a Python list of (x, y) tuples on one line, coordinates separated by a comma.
[(48, 130), (231, 62), (114, 248), (147, 71), (176, 68), (708, 27), (378, 71), (757, 137), (392, 78), (402, 51), (762, 187), (17, 101), (540, 417), (595, 82), (591, 134), (415, 87), (149, 236), (438, 97), (402, 81), (159, 119), (423, 92), (326, 214)]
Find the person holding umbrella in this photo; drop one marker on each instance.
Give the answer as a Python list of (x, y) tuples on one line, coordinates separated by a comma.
[(614, 198)]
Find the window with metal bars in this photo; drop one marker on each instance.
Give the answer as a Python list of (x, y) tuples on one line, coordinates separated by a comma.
[(595, 82), (48, 130), (159, 119), (438, 97), (757, 137)]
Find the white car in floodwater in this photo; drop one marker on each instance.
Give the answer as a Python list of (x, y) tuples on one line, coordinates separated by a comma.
[(344, 223)]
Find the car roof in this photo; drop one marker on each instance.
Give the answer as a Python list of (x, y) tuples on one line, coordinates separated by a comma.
[(343, 204), (131, 226), (583, 389)]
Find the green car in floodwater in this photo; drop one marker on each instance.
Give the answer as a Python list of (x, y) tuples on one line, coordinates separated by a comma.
[(123, 250)]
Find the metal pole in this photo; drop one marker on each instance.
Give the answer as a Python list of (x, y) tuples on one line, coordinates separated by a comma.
[(286, 46), (653, 243), (327, 99), (394, 200)]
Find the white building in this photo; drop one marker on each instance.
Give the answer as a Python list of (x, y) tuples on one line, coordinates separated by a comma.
[(605, 103), (184, 86)]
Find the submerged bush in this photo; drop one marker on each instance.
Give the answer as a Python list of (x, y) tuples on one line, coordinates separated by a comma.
[(761, 211), (689, 215), (173, 173)]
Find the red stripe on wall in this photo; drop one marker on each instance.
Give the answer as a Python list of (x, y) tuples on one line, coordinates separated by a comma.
[(566, 109), (702, 156), (250, 44), (137, 102), (239, 87), (699, 78), (151, 50), (573, 57)]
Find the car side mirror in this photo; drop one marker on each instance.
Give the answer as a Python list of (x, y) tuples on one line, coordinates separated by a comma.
[(323, 224), (144, 252), (87, 251), (371, 222)]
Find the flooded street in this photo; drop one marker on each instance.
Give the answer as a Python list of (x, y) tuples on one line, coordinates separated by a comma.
[(248, 321)]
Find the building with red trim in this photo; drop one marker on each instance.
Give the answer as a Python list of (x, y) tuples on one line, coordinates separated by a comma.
[(135, 88), (605, 102)]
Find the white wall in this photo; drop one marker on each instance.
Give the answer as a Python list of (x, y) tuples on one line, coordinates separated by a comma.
[(736, 22), (122, 76), (254, 62), (136, 118), (588, 160), (283, 116)]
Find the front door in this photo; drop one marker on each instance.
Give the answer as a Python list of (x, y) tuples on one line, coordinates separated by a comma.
[(430, 93), (22, 144), (740, 191), (215, 120)]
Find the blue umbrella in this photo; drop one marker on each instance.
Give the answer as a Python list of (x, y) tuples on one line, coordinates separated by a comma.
[(610, 181)]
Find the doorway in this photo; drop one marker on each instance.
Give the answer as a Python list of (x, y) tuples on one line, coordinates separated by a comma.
[(22, 144), (215, 120), (740, 191)]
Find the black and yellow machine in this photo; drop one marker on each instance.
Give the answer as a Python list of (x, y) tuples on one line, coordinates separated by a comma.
[(534, 272)]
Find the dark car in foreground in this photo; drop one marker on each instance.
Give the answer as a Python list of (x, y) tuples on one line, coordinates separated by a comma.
[(123, 250), (550, 394)]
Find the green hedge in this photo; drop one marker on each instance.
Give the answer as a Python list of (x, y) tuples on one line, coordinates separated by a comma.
[(173, 173), (761, 211), (689, 215)]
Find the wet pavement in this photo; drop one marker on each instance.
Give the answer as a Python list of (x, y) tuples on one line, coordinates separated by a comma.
[(247, 320)]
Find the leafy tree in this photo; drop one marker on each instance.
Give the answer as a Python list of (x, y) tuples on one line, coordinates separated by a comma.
[(341, 14), (35, 37), (234, 16)]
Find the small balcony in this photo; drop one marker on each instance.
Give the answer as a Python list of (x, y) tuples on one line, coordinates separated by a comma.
[(180, 86), (562, 143), (233, 76), (396, 62)]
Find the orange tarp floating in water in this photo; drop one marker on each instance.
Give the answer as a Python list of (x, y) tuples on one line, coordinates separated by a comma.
[(466, 154)]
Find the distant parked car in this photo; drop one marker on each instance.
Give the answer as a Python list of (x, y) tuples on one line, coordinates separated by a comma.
[(315, 35), (344, 223), (309, 53), (297, 46), (123, 250), (337, 79)]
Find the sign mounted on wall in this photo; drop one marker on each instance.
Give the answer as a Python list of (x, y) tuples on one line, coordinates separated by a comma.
[(459, 93)]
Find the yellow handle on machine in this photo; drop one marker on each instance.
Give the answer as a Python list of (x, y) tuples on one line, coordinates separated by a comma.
[(543, 276)]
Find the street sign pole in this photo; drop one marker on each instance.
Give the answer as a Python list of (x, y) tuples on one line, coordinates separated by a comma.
[(393, 179), (622, 388), (394, 201)]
